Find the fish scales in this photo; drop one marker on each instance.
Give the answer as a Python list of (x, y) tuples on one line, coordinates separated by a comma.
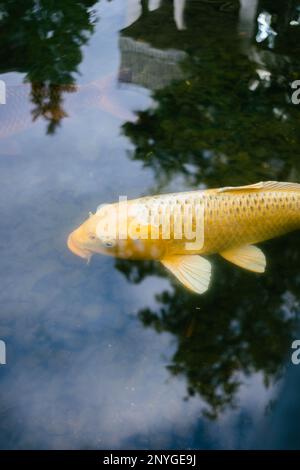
[(231, 219), (236, 219), (228, 221)]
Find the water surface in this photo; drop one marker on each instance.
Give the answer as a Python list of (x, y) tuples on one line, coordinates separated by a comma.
[(134, 98)]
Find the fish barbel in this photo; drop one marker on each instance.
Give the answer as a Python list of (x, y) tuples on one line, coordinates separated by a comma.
[(177, 228)]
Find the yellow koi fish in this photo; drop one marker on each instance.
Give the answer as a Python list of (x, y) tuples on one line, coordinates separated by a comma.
[(176, 228)]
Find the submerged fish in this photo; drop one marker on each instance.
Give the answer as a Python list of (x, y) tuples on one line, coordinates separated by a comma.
[(176, 228), (21, 109)]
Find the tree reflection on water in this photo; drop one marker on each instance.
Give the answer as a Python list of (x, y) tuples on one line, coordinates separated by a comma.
[(43, 40), (229, 121)]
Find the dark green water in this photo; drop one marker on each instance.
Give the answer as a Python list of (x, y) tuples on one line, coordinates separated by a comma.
[(125, 100)]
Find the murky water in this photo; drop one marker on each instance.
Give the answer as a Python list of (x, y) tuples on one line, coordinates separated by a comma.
[(134, 98)]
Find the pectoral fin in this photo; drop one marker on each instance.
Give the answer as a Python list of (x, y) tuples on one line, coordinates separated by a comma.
[(192, 270), (248, 257)]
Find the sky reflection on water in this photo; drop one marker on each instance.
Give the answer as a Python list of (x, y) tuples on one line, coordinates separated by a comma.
[(98, 356)]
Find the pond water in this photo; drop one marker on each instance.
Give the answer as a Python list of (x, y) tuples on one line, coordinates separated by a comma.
[(132, 98)]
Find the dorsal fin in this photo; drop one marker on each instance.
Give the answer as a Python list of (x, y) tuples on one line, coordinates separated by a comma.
[(263, 186)]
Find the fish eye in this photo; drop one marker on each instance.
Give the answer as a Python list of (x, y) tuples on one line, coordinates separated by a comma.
[(109, 244), (92, 237)]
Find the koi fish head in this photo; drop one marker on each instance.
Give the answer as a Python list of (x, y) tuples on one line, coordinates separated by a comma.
[(88, 238), (116, 230)]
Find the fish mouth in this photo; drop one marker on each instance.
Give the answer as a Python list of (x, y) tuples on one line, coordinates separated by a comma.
[(77, 250)]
